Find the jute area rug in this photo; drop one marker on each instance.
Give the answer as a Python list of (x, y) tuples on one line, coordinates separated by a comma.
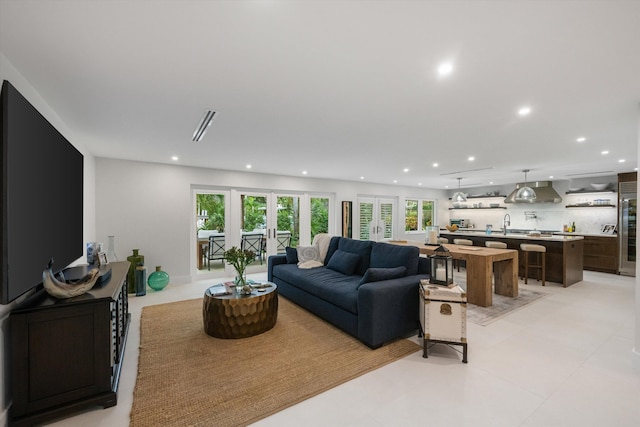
[(188, 378)]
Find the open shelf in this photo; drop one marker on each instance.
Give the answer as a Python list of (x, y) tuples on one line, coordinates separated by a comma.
[(483, 197), (590, 192), (488, 207)]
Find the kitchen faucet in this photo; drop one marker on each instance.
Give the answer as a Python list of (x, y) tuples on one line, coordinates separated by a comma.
[(506, 222)]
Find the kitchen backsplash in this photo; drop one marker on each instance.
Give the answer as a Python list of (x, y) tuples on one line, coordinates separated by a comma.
[(545, 216)]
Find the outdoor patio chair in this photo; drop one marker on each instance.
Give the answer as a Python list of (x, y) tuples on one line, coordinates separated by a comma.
[(284, 239), (255, 243), (215, 251)]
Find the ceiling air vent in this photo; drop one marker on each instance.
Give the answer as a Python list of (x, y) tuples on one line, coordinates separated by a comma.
[(198, 134)]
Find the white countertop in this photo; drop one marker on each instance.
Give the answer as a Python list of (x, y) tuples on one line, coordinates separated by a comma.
[(587, 234), (551, 238)]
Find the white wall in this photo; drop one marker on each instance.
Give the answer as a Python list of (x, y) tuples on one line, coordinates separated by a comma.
[(9, 72), (635, 352), (149, 206)]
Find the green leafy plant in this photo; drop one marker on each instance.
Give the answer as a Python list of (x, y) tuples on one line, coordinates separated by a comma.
[(239, 259)]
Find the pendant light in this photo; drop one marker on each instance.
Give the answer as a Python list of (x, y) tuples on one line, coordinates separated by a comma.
[(526, 193), (459, 196)]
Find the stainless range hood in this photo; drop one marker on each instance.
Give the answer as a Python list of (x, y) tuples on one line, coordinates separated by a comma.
[(544, 193)]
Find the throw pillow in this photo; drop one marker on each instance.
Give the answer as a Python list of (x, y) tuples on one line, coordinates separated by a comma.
[(344, 262), (380, 274), (309, 257), (292, 255)]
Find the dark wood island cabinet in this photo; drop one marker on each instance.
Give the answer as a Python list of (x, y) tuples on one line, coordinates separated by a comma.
[(66, 354), (601, 253)]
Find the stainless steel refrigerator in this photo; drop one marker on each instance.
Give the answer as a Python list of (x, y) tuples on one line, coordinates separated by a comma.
[(627, 223)]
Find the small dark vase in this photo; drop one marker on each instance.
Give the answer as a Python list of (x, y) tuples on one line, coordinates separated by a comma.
[(141, 280), (134, 260)]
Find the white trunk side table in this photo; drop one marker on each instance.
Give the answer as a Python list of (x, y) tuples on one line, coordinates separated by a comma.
[(443, 316)]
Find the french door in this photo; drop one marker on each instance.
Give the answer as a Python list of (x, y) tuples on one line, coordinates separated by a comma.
[(376, 218), (282, 219)]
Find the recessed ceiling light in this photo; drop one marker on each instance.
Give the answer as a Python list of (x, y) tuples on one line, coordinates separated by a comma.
[(405, 170), (248, 166), (445, 68), (435, 165), (419, 184), (621, 161), (362, 177), (490, 182), (471, 158), (581, 139), (604, 152), (524, 111), (174, 158), (395, 181), (550, 176), (304, 172)]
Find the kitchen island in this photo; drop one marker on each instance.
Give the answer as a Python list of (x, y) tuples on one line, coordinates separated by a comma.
[(564, 256)]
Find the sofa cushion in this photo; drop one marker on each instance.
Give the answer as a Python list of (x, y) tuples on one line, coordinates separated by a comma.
[(324, 283), (344, 262), (379, 274), (359, 247), (292, 255), (385, 255)]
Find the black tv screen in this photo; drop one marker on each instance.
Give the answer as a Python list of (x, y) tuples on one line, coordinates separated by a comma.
[(42, 196)]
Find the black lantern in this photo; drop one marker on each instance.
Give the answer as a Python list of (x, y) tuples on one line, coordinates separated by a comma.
[(441, 267)]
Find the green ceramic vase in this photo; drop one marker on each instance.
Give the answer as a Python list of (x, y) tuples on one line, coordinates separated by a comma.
[(158, 280)]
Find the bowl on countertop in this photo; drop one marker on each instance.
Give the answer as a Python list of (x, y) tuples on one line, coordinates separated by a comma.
[(599, 187), (575, 189)]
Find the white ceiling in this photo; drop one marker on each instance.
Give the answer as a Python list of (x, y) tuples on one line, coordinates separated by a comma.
[(342, 89)]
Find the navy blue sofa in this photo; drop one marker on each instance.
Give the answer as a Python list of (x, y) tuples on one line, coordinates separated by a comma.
[(367, 289)]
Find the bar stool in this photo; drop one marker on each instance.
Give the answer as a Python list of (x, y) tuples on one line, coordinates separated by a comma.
[(540, 252), (442, 240), (464, 242), (495, 245)]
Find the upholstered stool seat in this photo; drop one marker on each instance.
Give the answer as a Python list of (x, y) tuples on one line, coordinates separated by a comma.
[(442, 240), (465, 242), (495, 245), (540, 252)]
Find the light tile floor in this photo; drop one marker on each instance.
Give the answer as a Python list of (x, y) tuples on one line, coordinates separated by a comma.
[(564, 360)]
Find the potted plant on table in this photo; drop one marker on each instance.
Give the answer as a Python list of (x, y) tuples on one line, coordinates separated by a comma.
[(239, 259)]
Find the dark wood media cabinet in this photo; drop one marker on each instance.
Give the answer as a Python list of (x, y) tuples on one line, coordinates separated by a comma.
[(66, 354)]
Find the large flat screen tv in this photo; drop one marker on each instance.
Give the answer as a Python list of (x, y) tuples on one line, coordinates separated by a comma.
[(42, 196)]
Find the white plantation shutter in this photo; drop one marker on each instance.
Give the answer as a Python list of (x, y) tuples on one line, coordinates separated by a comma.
[(365, 213), (376, 218), (386, 219)]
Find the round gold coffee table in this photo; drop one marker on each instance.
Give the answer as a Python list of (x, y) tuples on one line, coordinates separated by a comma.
[(240, 316)]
